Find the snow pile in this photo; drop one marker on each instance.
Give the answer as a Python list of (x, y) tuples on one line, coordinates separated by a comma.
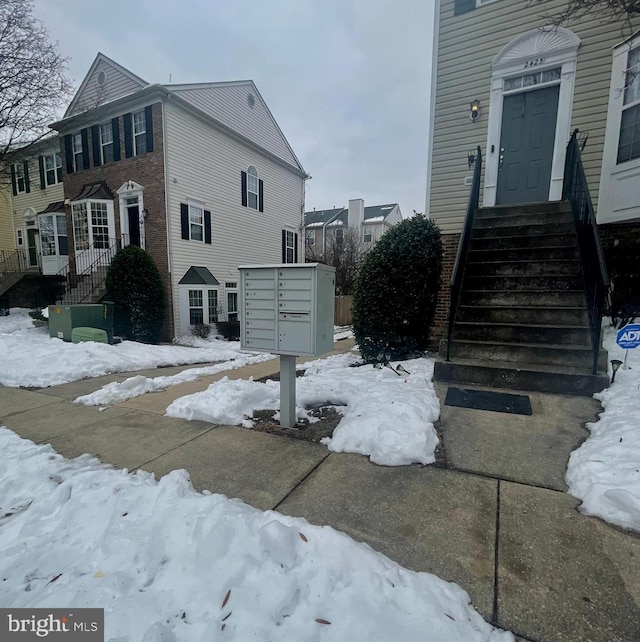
[(167, 563), (29, 357), (386, 416), (117, 391), (605, 471), (342, 332), (18, 319)]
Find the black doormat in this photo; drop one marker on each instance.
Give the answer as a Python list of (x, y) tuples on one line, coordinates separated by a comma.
[(484, 400)]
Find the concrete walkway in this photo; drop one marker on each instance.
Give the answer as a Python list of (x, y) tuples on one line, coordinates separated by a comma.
[(494, 517)]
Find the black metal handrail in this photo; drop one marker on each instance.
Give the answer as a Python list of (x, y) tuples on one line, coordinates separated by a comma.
[(11, 262), (92, 276), (594, 270), (463, 246)]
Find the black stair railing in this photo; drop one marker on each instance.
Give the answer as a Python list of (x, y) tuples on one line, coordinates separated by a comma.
[(79, 287), (463, 247), (11, 262), (594, 271)]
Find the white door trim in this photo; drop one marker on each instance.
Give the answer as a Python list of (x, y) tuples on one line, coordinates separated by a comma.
[(130, 189), (533, 51)]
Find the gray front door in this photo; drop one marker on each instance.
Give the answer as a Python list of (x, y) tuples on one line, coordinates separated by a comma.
[(526, 146)]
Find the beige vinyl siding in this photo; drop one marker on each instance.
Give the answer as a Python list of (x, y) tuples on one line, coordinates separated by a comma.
[(37, 199), (204, 164), (116, 85), (228, 103), (7, 236), (467, 46)]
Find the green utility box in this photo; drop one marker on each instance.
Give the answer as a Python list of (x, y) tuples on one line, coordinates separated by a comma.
[(78, 335), (64, 318)]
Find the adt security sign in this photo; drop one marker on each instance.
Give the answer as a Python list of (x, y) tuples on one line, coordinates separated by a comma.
[(629, 337)]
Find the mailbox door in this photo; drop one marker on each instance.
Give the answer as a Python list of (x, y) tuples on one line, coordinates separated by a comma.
[(294, 332)]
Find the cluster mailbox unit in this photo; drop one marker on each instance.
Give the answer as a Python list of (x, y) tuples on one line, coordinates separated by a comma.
[(288, 310)]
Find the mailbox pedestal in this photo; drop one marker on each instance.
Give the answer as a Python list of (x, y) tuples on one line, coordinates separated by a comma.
[(287, 309)]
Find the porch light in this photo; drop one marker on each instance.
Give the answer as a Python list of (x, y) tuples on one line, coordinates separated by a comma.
[(474, 113), (615, 365), (145, 212)]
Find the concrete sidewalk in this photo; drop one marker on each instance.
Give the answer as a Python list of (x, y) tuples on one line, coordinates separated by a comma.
[(493, 517)]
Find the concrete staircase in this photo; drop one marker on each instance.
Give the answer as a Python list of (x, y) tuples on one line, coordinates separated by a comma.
[(522, 319), (89, 288)]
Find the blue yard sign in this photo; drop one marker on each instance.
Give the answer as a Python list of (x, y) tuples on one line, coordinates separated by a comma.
[(629, 336)]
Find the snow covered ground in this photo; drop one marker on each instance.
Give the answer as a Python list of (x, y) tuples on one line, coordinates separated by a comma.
[(29, 357), (605, 471), (387, 416), (168, 563)]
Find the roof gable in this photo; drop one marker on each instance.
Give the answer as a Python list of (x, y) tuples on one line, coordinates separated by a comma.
[(239, 106), (379, 211), (321, 217), (105, 81)]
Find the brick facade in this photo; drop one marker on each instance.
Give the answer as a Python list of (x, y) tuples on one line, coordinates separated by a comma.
[(441, 318), (148, 171)]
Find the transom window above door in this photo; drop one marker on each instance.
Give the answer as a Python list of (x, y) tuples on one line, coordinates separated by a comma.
[(533, 79)]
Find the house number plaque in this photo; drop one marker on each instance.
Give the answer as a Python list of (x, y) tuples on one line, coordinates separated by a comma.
[(534, 62)]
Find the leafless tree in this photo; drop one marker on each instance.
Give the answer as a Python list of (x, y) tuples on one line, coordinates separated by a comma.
[(622, 11), (33, 77), (345, 254)]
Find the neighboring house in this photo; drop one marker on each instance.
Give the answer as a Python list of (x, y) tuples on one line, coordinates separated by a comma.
[(508, 82), (33, 228), (199, 175), (322, 227), (37, 206)]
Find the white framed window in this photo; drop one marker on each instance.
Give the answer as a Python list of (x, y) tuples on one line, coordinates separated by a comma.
[(231, 285), (139, 133), (533, 79), (21, 179), (367, 234), (92, 224), (52, 168), (20, 238), (196, 222), (232, 306), (212, 299), (252, 187), (78, 154), (196, 307), (311, 237), (339, 235), (629, 140), (290, 247), (106, 143)]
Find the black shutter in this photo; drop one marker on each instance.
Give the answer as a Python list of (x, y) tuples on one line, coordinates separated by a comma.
[(115, 126), (14, 187), (95, 139), (260, 196), (463, 6), (128, 136), (43, 182), (84, 133), (243, 186), (27, 185), (68, 153), (148, 123), (295, 248), (284, 246), (207, 227), (184, 220)]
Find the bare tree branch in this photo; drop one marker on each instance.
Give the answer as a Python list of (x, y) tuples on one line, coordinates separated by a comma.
[(610, 11), (33, 77)]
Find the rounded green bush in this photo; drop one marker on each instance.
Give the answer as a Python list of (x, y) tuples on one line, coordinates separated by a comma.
[(396, 292), (134, 285)]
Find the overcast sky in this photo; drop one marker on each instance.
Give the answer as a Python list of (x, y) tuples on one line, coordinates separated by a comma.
[(347, 80)]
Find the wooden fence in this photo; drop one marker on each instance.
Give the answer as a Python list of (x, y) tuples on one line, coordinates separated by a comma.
[(342, 309)]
